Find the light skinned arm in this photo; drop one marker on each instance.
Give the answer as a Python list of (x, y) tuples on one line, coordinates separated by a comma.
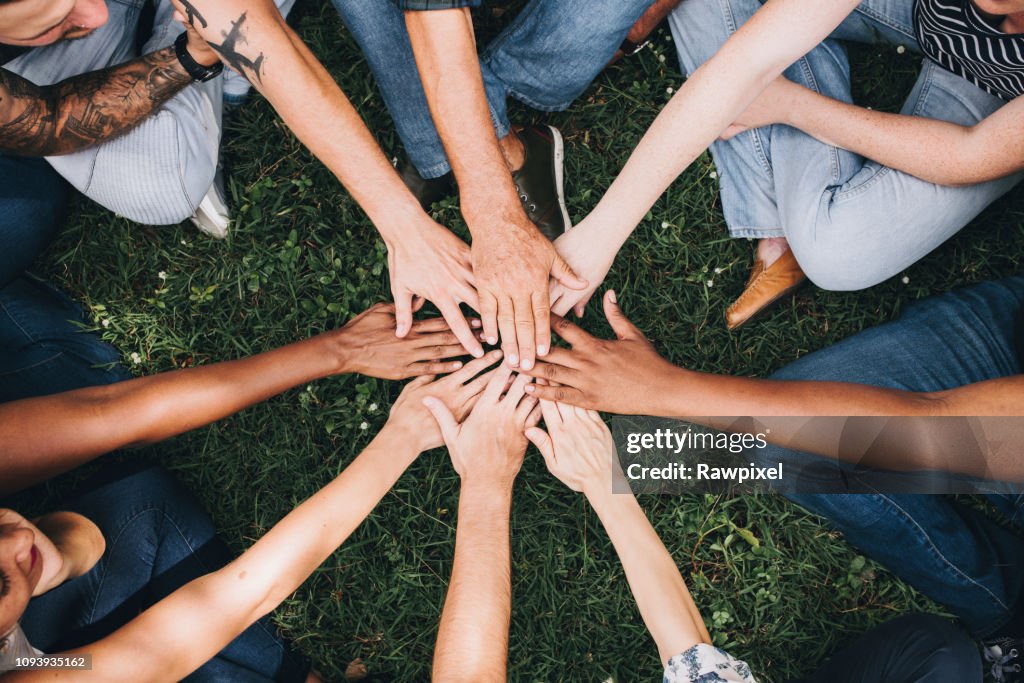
[(424, 258), (42, 437), (627, 376), (709, 101), (487, 451), (578, 449), (936, 151), (178, 634), (512, 261)]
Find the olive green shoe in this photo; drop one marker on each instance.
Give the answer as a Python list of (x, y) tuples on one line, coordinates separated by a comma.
[(427, 191), (541, 178)]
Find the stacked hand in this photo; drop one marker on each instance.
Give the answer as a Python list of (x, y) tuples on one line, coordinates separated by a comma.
[(368, 345), (577, 448), (430, 262), (487, 447), (513, 268), (457, 393), (618, 376)]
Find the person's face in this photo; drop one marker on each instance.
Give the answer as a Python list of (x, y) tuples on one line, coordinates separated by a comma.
[(21, 567), (44, 22)]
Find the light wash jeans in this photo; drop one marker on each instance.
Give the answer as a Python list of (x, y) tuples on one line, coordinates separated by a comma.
[(545, 58), (851, 222), (158, 172), (953, 553)]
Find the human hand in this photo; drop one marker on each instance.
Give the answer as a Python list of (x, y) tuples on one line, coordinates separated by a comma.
[(622, 375), (367, 345), (577, 447), (198, 48), (458, 392), (771, 106), (432, 263), (513, 264), (588, 260), (487, 448)]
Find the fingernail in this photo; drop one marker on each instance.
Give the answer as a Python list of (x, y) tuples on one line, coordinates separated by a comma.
[(429, 401), (611, 296), (492, 340), (478, 353), (530, 388), (475, 323), (527, 364), (542, 350), (457, 364), (513, 360), (498, 353)]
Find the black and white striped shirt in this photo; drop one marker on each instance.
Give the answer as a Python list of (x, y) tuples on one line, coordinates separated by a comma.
[(956, 36)]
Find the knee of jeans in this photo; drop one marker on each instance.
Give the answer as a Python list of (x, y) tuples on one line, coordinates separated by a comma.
[(944, 648), (836, 264)]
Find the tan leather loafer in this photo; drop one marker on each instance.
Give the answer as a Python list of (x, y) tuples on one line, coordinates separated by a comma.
[(765, 287)]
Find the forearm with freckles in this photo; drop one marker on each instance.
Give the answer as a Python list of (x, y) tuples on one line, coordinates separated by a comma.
[(936, 151), (252, 37), (450, 69), (85, 110)]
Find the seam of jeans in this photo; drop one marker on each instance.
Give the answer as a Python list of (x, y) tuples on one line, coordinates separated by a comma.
[(14, 320), (34, 365), (833, 153), (510, 31), (116, 540), (954, 570), (884, 20)]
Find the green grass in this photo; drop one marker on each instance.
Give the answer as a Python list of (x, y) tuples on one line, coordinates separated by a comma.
[(303, 258)]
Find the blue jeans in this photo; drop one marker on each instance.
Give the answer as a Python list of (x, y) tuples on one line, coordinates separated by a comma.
[(545, 58), (158, 539), (915, 648), (851, 222), (952, 553), (43, 349)]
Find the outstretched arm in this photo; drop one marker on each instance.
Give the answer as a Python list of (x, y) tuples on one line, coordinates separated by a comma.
[(424, 258), (512, 261), (578, 449), (42, 437), (85, 110), (190, 626), (627, 376), (936, 151), (712, 98), (487, 451)]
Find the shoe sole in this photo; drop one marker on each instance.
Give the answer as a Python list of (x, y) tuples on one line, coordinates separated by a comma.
[(556, 137)]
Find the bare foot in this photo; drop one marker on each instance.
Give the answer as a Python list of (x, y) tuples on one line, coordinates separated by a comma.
[(513, 150), (769, 249)]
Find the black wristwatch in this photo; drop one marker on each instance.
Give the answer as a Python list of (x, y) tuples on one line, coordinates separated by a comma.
[(197, 71)]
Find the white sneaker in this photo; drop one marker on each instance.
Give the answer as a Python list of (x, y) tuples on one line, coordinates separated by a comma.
[(212, 216)]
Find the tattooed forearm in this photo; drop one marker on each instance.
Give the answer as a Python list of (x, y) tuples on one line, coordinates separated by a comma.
[(84, 110), (229, 52)]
